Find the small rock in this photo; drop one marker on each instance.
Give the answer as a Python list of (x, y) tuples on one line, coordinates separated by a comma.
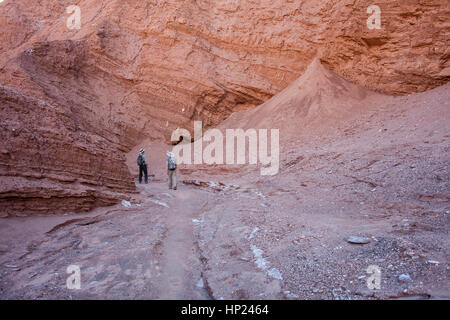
[(275, 273), (357, 240), (410, 253), (200, 283), (126, 203), (404, 278), (290, 294), (163, 204)]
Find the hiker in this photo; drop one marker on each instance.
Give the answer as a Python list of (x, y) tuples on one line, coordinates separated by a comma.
[(142, 163), (172, 170)]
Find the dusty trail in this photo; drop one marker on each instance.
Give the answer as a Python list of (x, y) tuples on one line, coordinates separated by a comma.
[(180, 264), (145, 251)]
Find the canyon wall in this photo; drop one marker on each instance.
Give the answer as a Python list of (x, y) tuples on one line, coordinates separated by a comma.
[(50, 163), (206, 59), (139, 69)]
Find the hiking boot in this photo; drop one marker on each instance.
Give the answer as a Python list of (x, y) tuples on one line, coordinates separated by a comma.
[(175, 188)]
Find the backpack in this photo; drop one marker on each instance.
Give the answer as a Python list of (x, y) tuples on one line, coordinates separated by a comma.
[(140, 160), (172, 165)]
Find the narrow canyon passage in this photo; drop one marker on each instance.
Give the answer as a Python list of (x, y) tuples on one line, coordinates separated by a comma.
[(237, 235), (351, 99)]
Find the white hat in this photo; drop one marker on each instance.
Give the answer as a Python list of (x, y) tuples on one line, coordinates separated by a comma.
[(141, 151), (170, 154)]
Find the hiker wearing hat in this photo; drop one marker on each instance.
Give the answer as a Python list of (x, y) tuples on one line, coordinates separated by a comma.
[(172, 170), (142, 163)]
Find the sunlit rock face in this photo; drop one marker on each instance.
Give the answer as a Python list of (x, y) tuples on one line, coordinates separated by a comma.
[(215, 57)]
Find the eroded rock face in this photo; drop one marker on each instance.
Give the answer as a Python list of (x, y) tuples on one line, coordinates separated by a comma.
[(50, 164), (137, 70), (206, 59)]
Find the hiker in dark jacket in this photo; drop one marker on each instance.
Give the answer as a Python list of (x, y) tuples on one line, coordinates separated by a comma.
[(142, 163), (172, 170)]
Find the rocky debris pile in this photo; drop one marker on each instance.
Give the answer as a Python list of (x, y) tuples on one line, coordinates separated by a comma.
[(212, 185)]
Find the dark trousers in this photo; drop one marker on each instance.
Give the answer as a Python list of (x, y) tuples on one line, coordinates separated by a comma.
[(144, 170)]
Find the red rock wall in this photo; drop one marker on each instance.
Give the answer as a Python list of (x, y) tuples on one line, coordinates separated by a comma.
[(49, 163), (215, 57), (139, 69)]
